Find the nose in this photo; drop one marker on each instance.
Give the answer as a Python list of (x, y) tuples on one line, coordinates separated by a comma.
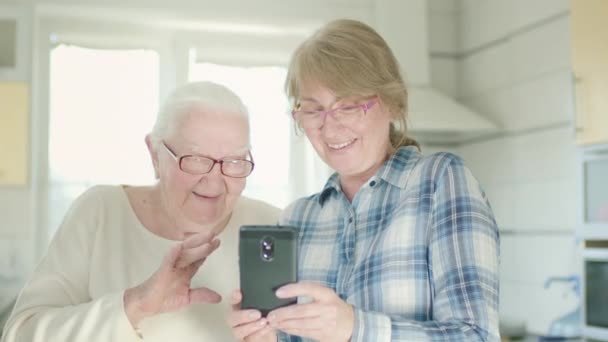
[(331, 121), (216, 171), (214, 177)]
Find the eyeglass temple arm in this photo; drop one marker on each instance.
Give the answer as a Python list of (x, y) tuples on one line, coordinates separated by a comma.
[(369, 105)]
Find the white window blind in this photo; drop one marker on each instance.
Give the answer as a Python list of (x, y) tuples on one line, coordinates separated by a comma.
[(102, 104)]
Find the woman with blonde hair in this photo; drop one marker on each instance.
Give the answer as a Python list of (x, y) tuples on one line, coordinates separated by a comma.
[(397, 246)]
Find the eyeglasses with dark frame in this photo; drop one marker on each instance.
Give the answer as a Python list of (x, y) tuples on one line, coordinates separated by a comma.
[(200, 165), (346, 115)]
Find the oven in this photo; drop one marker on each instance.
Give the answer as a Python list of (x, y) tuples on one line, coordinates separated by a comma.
[(595, 296)]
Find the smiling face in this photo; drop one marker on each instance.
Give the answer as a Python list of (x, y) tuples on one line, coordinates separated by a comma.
[(356, 150), (206, 199)]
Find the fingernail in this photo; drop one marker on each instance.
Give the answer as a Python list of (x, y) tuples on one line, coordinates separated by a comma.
[(271, 317), (254, 315), (280, 293), (263, 322)]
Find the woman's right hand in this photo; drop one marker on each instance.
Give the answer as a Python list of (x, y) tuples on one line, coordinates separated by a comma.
[(249, 325), (168, 289)]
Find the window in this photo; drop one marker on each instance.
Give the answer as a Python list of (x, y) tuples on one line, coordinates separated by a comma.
[(102, 104), (261, 89)]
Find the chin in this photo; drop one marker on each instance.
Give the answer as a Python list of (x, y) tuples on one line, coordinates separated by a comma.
[(205, 221), (349, 172), (355, 168), (344, 164), (206, 218)]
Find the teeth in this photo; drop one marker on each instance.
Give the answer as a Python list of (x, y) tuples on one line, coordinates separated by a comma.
[(342, 145), (205, 196)]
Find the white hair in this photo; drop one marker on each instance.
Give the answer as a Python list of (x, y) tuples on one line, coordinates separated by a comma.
[(184, 98)]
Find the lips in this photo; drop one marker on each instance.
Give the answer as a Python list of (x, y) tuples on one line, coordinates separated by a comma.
[(210, 196), (342, 145)]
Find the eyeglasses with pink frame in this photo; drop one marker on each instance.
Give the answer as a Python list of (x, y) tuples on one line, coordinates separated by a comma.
[(322, 114)]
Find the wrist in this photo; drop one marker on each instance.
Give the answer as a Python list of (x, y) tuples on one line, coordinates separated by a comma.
[(132, 306)]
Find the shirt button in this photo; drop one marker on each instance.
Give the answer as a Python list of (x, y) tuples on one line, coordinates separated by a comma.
[(372, 183)]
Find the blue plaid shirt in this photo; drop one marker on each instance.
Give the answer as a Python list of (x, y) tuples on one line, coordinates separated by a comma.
[(415, 253)]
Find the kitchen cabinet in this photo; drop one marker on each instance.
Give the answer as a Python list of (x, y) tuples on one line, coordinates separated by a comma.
[(14, 128), (15, 43), (589, 43)]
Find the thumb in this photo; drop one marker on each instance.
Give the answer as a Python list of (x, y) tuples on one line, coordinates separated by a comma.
[(235, 299), (204, 295)]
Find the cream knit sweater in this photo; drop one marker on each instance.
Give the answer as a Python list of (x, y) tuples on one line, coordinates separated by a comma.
[(101, 249)]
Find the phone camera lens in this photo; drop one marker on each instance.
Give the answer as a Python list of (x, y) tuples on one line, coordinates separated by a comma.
[(267, 248)]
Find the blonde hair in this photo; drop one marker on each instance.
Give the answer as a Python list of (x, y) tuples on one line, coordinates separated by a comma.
[(352, 59)]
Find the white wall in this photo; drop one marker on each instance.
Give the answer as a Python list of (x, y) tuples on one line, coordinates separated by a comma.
[(443, 35), (15, 232), (444, 45), (513, 66)]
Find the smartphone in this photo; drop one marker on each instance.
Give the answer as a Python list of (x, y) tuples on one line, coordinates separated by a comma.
[(268, 259)]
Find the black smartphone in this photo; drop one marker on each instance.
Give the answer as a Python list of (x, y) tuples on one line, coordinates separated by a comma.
[(268, 259)]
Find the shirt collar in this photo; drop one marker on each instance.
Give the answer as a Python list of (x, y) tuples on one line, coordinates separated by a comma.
[(394, 171), (332, 184), (397, 169)]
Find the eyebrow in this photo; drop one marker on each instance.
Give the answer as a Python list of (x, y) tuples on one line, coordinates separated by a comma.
[(310, 99), (190, 149), (239, 153)]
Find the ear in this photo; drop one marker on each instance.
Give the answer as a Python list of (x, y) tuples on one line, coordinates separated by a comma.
[(153, 155)]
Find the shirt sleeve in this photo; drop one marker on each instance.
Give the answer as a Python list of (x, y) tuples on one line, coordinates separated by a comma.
[(55, 304), (463, 254)]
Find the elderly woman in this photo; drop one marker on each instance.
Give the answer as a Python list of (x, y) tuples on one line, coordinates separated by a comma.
[(146, 261), (397, 246)]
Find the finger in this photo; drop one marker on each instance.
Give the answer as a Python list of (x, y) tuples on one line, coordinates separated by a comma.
[(198, 264), (303, 289), (244, 331), (313, 323), (204, 295), (261, 335), (240, 317), (235, 299), (198, 239), (306, 333), (193, 268), (297, 312), (171, 257), (195, 254)]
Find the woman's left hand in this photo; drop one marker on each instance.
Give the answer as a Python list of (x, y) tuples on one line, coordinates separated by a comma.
[(168, 289), (327, 318)]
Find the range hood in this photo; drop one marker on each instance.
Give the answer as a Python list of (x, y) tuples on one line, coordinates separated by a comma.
[(433, 116)]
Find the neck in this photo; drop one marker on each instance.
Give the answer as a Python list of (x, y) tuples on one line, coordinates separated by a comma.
[(351, 184)]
